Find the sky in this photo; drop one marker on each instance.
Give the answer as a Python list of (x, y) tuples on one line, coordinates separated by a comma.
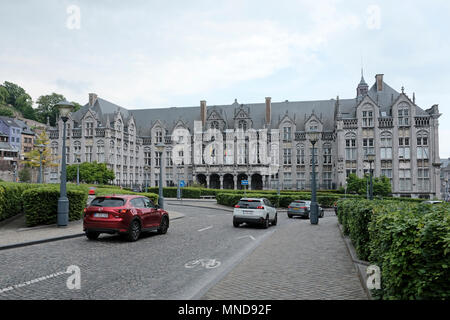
[(150, 54)]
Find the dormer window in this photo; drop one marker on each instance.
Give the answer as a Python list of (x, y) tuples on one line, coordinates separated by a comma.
[(403, 117), (313, 126), (242, 125), (214, 125), (367, 117), (287, 133)]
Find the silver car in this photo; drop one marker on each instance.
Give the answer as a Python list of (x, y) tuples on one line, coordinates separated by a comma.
[(302, 208)]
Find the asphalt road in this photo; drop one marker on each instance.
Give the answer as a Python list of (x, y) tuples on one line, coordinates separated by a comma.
[(197, 251)]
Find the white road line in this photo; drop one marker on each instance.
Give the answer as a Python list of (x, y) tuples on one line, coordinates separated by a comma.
[(251, 237), (205, 229), (27, 283)]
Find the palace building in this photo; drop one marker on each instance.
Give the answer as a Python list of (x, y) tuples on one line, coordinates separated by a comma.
[(378, 120)]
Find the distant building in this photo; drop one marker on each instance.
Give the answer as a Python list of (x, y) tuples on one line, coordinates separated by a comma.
[(13, 130), (9, 159), (380, 120), (445, 178)]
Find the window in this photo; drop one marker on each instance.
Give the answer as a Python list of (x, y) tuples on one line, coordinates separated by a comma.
[(147, 156), (422, 145), (159, 136), (214, 125), (367, 117), (403, 116), (368, 146), (89, 129), (316, 160), (300, 154), (405, 179), (100, 151), (350, 147), (157, 159), (242, 124), (386, 169), (386, 146), (287, 134), (88, 156), (403, 148), (327, 153), (313, 126), (287, 154), (169, 160)]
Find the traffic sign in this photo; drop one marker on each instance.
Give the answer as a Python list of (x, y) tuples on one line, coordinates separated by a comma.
[(182, 183), (244, 182)]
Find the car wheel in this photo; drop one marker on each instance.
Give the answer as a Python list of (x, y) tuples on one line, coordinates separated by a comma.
[(266, 223), (321, 214), (236, 224), (135, 231), (164, 225), (274, 222), (289, 216), (91, 235)]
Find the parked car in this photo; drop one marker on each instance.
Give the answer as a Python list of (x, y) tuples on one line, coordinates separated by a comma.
[(129, 215), (432, 201), (302, 208), (255, 211)]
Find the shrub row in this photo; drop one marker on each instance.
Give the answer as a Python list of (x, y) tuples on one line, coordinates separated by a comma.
[(105, 191), (41, 204), (410, 242), (11, 198)]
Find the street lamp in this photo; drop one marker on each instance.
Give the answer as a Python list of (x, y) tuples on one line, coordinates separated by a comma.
[(371, 159), (41, 149), (160, 148), (178, 187), (313, 137), (65, 108), (146, 168), (78, 170)]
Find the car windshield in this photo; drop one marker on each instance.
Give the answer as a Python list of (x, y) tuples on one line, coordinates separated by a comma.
[(298, 204), (250, 204), (107, 202)]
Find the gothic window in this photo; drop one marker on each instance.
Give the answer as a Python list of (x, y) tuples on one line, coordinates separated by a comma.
[(89, 127), (287, 156), (386, 146), (422, 145), (214, 125), (367, 118), (327, 153), (350, 147), (368, 146), (242, 125), (147, 156), (159, 136), (403, 116), (300, 154), (404, 148), (100, 151), (88, 155), (287, 134), (313, 126)]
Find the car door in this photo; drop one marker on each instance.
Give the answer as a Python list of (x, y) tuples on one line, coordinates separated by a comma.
[(154, 215), (143, 213), (270, 208)]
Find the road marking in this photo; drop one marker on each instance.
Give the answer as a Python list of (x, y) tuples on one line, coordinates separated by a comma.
[(205, 263), (205, 229), (251, 237), (27, 283)]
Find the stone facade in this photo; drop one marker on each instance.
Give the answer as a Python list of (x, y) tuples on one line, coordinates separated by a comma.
[(403, 137)]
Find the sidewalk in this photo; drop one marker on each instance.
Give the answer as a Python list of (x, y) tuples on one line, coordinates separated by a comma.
[(299, 262), (14, 233)]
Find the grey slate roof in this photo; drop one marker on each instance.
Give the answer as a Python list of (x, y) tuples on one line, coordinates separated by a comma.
[(5, 146)]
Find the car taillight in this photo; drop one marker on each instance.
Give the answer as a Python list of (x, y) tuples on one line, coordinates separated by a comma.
[(84, 210), (289, 207), (302, 207), (259, 207), (237, 206), (122, 211)]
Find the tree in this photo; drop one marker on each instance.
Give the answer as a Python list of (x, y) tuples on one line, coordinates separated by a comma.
[(25, 175), (19, 99), (3, 95), (6, 112), (32, 157), (91, 172), (381, 185), (47, 108)]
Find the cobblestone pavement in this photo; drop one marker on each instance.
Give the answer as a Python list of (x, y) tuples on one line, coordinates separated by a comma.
[(300, 262)]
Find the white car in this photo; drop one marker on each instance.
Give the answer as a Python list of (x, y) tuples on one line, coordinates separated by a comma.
[(255, 211)]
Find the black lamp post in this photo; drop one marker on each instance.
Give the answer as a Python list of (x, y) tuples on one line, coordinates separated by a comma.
[(41, 149), (371, 159), (178, 187), (160, 148), (146, 168), (78, 170), (313, 137), (63, 202)]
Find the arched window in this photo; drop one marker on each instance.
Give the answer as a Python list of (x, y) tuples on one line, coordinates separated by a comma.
[(403, 115)]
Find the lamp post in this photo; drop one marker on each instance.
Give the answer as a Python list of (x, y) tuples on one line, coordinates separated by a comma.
[(63, 202), (160, 148), (146, 168), (41, 149), (78, 170), (371, 159), (178, 182), (313, 137)]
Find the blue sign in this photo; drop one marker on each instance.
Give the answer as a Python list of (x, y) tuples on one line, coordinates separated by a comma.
[(182, 183), (244, 182)]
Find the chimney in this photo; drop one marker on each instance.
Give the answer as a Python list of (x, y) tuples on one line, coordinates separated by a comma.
[(268, 110), (92, 99), (379, 78), (414, 97), (203, 111)]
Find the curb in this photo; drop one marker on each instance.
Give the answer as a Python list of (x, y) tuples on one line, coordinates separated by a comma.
[(359, 264), (76, 235)]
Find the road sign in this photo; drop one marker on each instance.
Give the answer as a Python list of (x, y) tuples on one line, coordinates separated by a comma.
[(244, 182), (182, 183)]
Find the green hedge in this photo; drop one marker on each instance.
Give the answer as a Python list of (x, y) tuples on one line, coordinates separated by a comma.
[(105, 191), (11, 201), (41, 204), (410, 242)]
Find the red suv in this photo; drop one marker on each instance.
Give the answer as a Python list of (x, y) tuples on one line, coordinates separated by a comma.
[(123, 214)]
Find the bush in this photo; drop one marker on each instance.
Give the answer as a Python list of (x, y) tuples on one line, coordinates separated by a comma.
[(410, 242), (11, 204), (104, 191), (41, 205)]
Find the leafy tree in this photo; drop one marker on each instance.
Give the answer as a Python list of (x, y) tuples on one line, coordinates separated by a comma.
[(3, 95), (19, 99), (25, 175), (6, 112), (32, 157), (47, 107), (381, 185), (91, 172)]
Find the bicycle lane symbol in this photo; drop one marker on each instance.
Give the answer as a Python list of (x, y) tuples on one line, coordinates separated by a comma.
[(202, 263)]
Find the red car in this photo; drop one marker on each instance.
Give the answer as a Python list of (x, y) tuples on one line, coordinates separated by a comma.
[(124, 214)]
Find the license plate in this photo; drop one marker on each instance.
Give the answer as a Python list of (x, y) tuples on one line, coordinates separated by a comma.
[(247, 212), (296, 208), (100, 215)]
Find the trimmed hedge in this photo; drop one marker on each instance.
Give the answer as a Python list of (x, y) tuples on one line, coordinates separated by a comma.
[(105, 191), (410, 242), (41, 204), (11, 198)]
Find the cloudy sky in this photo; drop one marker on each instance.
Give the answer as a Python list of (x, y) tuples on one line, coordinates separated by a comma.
[(147, 54)]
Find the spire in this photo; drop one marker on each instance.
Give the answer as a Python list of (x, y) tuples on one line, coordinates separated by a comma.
[(363, 87)]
